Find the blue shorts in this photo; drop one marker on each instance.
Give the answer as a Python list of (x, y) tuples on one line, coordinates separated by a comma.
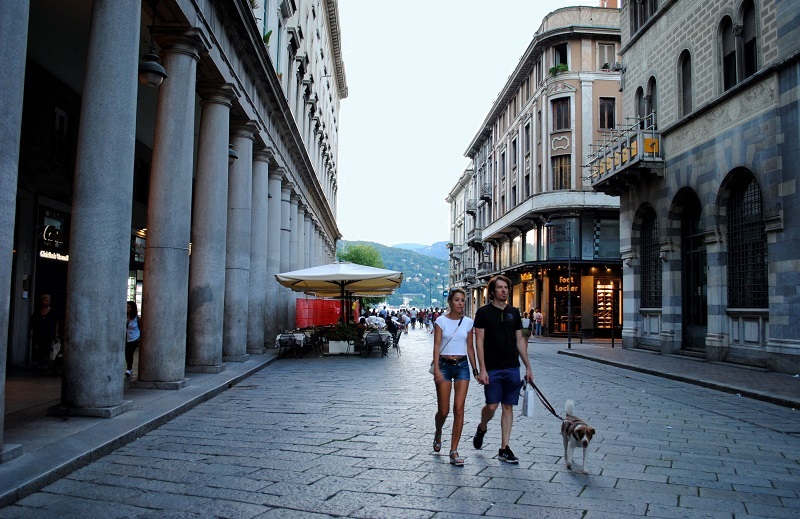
[(458, 371), (503, 386)]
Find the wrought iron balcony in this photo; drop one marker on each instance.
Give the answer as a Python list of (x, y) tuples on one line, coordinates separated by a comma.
[(486, 192), (485, 267), (471, 207), (469, 274), (632, 154), (475, 237)]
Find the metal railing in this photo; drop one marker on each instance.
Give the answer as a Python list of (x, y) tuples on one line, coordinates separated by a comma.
[(622, 149)]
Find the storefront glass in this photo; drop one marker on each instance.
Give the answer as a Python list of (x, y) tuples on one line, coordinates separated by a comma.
[(563, 238)]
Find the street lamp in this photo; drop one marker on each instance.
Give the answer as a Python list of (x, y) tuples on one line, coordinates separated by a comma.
[(429, 283), (549, 223)]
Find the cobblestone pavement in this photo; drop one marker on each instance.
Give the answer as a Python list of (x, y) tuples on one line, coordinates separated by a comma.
[(351, 437)]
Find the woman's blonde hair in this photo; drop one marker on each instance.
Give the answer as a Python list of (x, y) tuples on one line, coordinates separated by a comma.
[(452, 293)]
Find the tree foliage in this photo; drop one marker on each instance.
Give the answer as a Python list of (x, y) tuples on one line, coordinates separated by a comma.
[(362, 254), (416, 268)]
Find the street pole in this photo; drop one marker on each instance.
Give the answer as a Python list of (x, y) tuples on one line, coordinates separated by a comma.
[(549, 223), (569, 284)]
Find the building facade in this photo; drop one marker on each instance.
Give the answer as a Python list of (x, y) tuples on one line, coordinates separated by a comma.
[(706, 175), (186, 195), (527, 211)]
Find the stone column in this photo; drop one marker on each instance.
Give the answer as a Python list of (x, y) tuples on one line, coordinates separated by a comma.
[(717, 338), (274, 289), (209, 229), (258, 255), (14, 28), (291, 307), (300, 261), (286, 190), (237, 258), (309, 246), (100, 232), (162, 355)]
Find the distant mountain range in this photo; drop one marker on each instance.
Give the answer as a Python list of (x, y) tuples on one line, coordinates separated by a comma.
[(418, 263), (437, 250)]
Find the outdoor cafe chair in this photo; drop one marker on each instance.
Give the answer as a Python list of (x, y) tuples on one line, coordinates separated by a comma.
[(288, 341), (396, 341), (373, 340)]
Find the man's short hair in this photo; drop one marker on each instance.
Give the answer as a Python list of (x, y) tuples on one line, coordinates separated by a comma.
[(493, 282)]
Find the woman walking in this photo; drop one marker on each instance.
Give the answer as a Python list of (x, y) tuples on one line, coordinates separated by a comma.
[(132, 336), (453, 353)]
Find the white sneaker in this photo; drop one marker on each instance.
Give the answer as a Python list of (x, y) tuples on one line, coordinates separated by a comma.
[(128, 373)]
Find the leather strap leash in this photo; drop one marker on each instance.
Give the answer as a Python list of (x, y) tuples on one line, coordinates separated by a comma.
[(545, 403)]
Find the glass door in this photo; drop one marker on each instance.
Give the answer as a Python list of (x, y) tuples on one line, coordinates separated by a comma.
[(694, 277)]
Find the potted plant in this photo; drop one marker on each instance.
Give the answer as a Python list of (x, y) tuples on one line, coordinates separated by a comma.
[(339, 337), (558, 69)]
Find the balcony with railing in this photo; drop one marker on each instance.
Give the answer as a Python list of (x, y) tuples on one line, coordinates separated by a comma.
[(469, 275), (471, 207), (486, 191), (485, 267), (630, 155), (475, 237)]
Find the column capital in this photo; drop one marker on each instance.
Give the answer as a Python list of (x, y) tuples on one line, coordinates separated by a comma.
[(244, 129), (190, 42), (260, 154), (220, 93)]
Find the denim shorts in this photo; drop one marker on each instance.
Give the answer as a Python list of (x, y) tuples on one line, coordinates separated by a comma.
[(458, 371), (503, 386)]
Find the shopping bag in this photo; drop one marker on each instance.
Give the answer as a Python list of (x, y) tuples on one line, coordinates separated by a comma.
[(55, 349), (528, 400)]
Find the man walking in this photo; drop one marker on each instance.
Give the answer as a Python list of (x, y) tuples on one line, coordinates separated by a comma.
[(500, 344)]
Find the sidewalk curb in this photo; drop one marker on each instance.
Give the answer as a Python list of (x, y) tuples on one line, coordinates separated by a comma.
[(34, 483), (740, 391)]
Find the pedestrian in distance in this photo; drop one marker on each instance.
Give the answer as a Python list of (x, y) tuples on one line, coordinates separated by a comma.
[(133, 335), (538, 321), (43, 330), (453, 353), (500, 345), (526, 325)]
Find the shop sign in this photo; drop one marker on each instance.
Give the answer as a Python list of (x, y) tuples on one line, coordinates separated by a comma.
[(563, 283), (137, 248), (526, 276), (53, 235)]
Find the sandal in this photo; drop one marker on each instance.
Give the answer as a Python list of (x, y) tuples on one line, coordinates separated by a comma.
[(455, 459), (437, 442)]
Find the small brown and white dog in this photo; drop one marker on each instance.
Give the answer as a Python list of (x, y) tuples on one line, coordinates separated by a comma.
[(576, 433)]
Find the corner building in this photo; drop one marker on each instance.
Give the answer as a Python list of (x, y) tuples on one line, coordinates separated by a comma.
[(523, 208), (706, 175), (186, 196)]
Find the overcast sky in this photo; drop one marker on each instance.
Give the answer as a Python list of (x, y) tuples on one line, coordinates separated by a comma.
[(421, 76)]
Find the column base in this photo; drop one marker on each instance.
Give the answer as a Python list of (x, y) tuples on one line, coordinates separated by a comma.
[(256, 351), (235, 358), (94, 412), (219, 368), (9, 451), (171, 385)]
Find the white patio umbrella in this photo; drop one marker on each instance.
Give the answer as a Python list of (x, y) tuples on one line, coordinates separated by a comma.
[(342, 277)]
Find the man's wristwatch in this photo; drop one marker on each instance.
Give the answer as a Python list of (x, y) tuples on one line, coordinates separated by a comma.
[(475, 371)]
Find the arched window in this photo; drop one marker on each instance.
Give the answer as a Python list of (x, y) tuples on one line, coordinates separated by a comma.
[(641, 11), (640, 106), (651, 105), (651, 262), (728, 54), (749, 51), (747, 248), (685, 82)]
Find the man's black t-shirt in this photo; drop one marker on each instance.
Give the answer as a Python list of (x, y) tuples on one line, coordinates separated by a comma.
[(499, 335)]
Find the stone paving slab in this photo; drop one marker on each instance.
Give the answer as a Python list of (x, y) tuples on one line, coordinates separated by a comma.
[(350, 437)]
